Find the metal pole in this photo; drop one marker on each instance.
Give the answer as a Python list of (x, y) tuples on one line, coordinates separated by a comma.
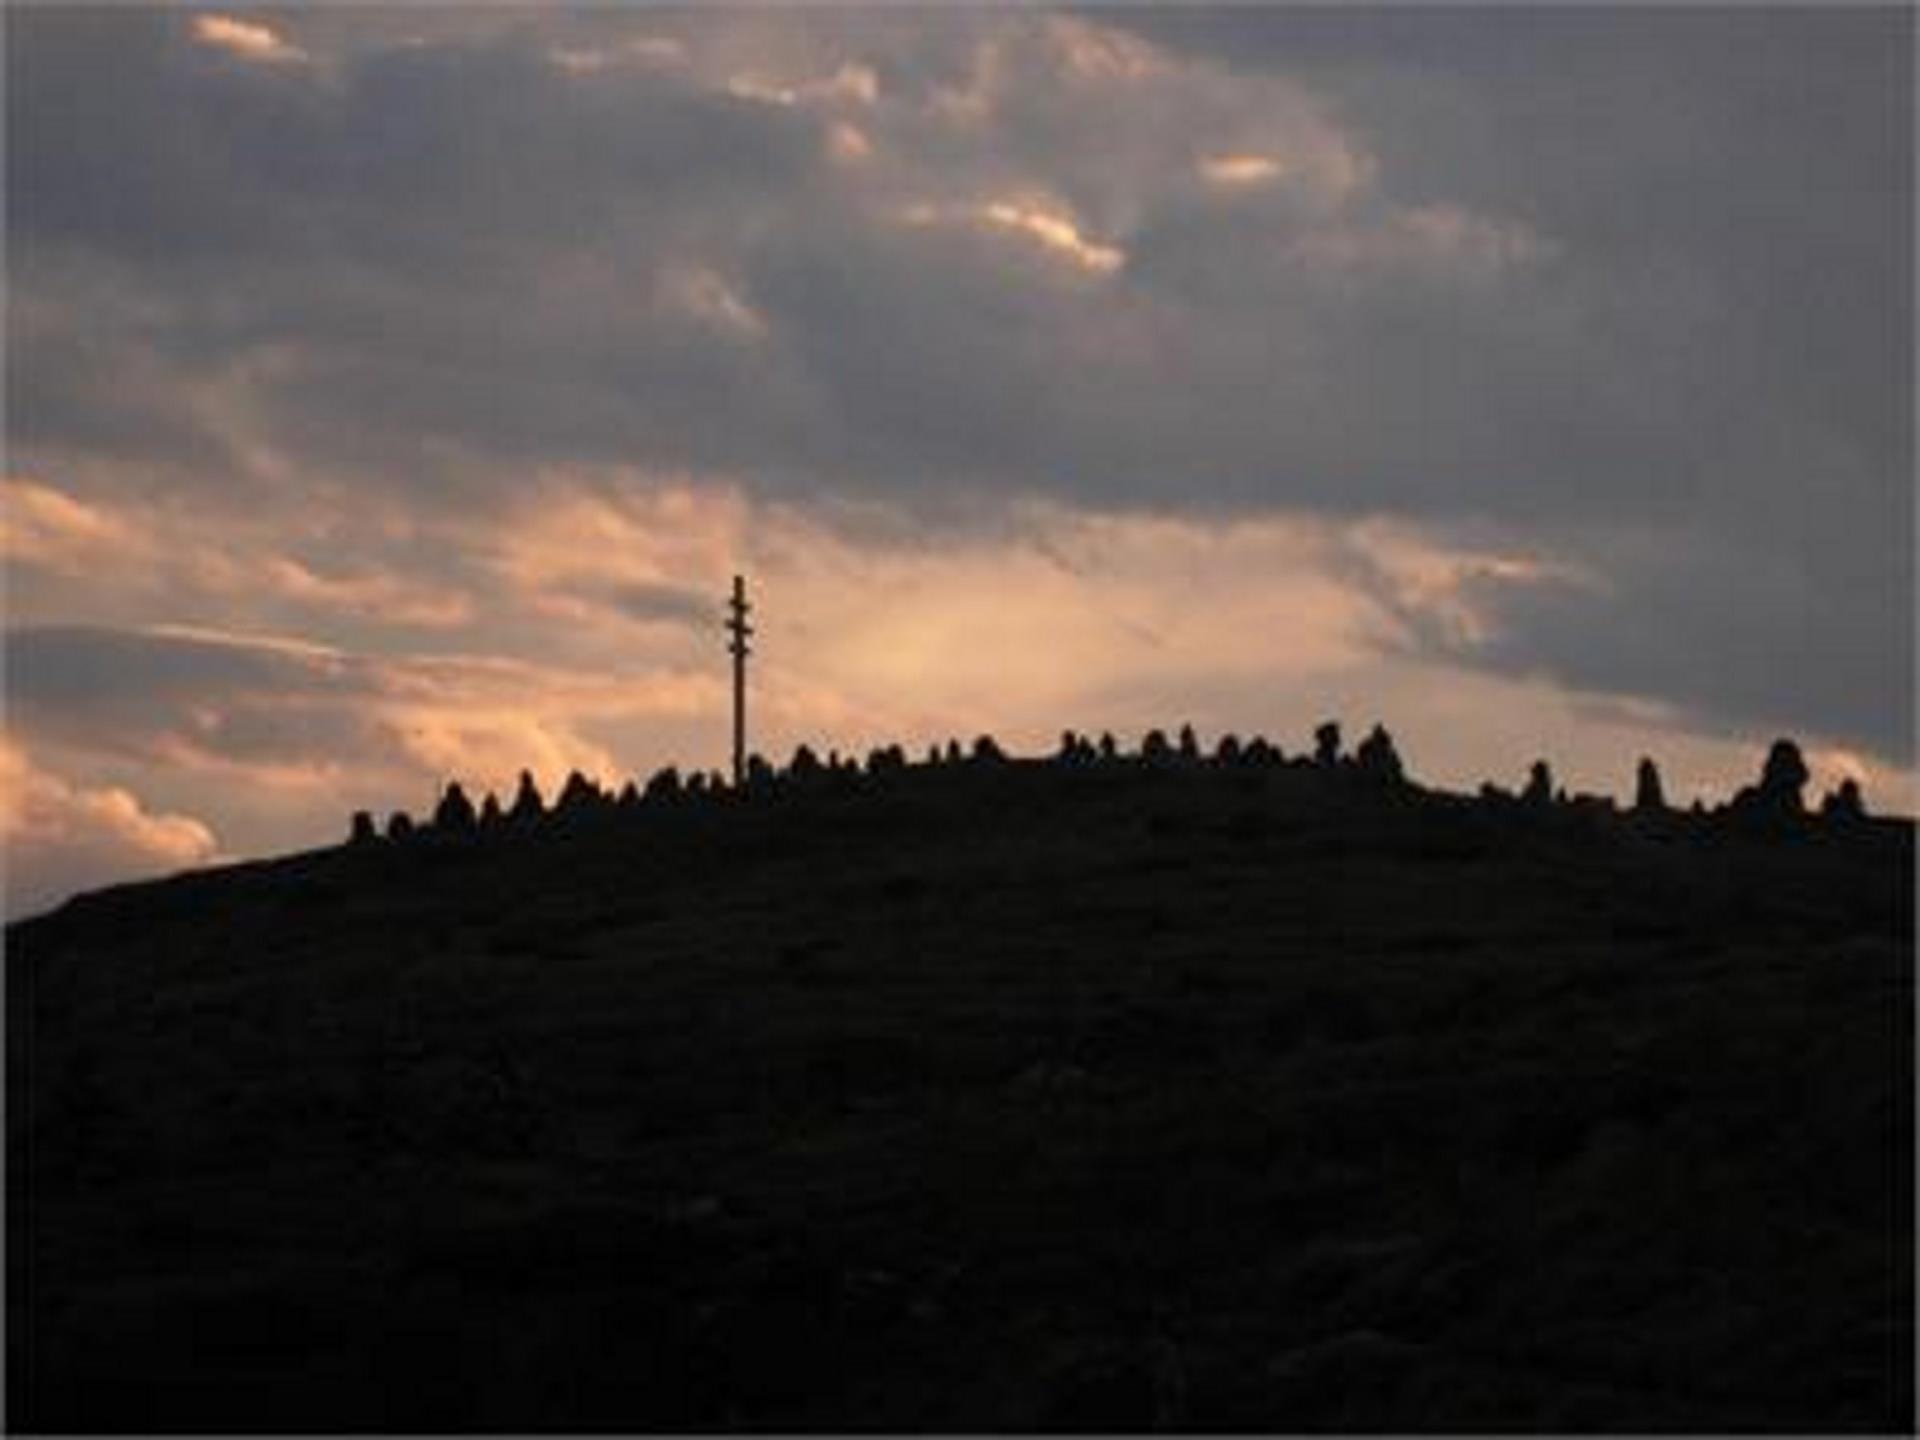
[(739, 630)]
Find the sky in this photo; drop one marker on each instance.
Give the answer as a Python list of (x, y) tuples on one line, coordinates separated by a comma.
[(392, 393)]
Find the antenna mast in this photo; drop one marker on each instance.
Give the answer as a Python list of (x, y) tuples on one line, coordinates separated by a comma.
[(738, 630)]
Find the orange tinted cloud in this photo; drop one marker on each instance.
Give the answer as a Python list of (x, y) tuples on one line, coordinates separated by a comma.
[(60, 836), (248, 39), (42, 525), (180, 550), (1042, 221)]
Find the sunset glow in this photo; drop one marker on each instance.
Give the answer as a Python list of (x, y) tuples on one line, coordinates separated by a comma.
[(248, 39), (396, 393)]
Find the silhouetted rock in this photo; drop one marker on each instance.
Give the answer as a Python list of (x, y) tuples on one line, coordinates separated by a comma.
[(1844, 804), (399, 826), (578, 796), (1649, 798), (363, 831), (527, 804), (1777, 796), (1784, 777), (454, 814), (1377, 760), (1326, 744), (1539, 792)]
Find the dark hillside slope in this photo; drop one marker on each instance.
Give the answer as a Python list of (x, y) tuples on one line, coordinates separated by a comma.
[(996, 1097)]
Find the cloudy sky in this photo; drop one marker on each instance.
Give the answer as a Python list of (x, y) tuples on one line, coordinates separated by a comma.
[(391, 393)]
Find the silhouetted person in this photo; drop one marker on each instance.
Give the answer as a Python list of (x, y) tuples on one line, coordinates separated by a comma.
[(399, 826), (987, 751), (629, 796), (1539, 792), (1377, 760), (363, 832), (1227, 752), (760, 776), (527, 804), (1109, 748), (953, 752), (1648, 796), (454, 814), (490, 816), (1189, 744), (696, 784), (1259, 751), (663, 784), (805, 765), (1326, 744), (1844, 805), (1154, 749)]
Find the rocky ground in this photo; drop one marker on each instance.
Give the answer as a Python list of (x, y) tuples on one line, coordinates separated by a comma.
[(991, 1097)]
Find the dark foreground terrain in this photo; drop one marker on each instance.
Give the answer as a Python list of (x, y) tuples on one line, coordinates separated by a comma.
[(1013, 1097)]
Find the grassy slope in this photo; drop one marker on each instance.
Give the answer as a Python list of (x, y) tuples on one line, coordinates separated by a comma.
[(1009, 1100)]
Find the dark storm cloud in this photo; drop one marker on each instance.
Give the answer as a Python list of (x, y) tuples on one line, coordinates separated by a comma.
[(1581, 278), (1734, 362)]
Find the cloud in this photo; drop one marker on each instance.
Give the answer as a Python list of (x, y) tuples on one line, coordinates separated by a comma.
[(61, 546), (41, 525), (60, 837), (1239, 170), (1036, 218), (276, 740), (247, 39), (510, 336)]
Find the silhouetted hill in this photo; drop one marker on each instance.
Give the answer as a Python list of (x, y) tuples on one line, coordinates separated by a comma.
[(1003, 1095)]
